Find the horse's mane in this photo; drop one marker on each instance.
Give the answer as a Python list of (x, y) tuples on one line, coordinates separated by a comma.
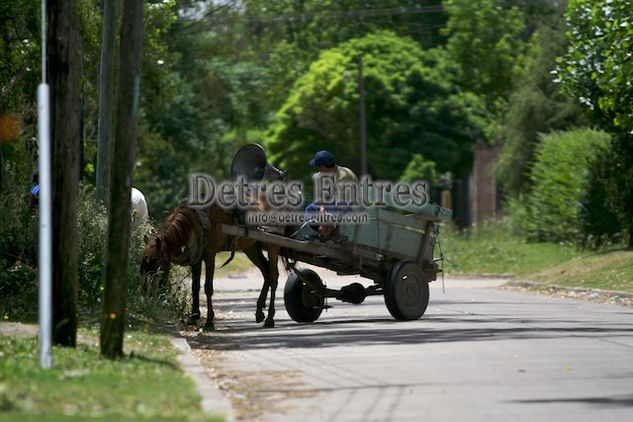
[(175, 231)]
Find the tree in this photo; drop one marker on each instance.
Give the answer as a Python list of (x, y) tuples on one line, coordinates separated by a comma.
[(597, 69), (293, 33), (597, 72), (535, 107), (420, 169), (224, 75), (413, 106), (106, 90), (560, 177), (113, 318), (485, 39), (19, 49), (63, 74)]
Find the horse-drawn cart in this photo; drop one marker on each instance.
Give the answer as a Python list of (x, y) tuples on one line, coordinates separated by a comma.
[(393, 249)]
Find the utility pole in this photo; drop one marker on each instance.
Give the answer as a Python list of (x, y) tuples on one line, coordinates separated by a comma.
[(106, 91), (363, 124), (124, 147)]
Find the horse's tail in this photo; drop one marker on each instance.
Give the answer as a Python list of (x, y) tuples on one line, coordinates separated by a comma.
[(228, 260)]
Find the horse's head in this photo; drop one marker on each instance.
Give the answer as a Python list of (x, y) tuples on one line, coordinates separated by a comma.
[(154, 258)]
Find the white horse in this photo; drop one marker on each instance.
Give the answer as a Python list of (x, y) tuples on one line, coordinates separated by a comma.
[(138, 211)]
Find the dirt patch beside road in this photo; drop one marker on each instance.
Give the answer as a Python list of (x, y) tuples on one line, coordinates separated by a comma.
[(592, 295), (252, 391)]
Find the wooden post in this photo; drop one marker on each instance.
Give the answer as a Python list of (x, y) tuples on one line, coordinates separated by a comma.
[(124, 145), (63, 71), (106, 92)]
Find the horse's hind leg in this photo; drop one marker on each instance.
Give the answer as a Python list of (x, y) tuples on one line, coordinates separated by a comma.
[(209, 267), (196, 270), (273, 277), (254, 253)]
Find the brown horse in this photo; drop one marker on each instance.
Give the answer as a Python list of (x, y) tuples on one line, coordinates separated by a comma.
[(190, 237)]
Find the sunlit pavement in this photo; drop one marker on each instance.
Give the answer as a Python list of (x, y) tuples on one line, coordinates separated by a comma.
[(478, 354)]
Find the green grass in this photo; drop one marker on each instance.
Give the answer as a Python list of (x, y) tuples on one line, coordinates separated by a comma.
[(145, 385), (493, 248), (240, 263), (608, 270)]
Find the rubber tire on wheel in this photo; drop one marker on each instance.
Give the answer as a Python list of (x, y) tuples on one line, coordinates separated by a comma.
[(406, 291), (302, 304)]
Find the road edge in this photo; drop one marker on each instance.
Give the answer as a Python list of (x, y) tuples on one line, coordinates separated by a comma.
[(213, 401), (541, 285), (613, 297)]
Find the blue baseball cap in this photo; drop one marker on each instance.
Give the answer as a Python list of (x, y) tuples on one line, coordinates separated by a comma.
[(323, 158)]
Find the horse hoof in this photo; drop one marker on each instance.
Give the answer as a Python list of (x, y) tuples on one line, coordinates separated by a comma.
[(269, 323), (259, 316), (209, 326), (193, 319)]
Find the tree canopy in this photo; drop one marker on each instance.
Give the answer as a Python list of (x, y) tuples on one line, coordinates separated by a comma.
[(597, 69), (535, 107), (597, 72), (413, 105), (484, 37)]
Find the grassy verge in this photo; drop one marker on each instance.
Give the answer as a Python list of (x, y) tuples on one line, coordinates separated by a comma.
[(608, 270), (145, 385), (493, 249)]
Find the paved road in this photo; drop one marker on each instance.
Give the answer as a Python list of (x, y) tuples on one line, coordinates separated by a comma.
[(478, 354)]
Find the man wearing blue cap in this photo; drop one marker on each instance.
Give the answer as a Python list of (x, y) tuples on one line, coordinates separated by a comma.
[(324, 160)]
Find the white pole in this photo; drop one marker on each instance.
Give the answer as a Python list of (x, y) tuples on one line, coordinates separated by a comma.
[(45, 256)]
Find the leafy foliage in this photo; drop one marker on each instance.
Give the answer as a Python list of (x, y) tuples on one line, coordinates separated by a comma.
[(535, 106), (559, 177), (157, 302), (597, 69), (420, 169), (19, 50), (18, 274), (291, 34), (484, 38), (598, 215), (597, 72), (413, 106)]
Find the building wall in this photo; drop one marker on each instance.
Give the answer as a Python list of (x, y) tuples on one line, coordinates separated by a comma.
[(484, 199)]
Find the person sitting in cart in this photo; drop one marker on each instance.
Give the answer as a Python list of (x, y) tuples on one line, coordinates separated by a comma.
[(324, 161)]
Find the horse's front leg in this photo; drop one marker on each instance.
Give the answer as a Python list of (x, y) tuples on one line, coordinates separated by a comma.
[(254, 253), (209, 267), (196, 270), (273, 277)]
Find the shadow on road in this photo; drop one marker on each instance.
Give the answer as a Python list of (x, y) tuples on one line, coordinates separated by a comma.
[(238, 333), (615, 401)]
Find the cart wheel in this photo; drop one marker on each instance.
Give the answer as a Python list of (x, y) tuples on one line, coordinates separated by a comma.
[(406, 291), (302, 302)]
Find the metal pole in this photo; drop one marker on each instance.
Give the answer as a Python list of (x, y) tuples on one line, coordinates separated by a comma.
[(45, 257), (363, 125)]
